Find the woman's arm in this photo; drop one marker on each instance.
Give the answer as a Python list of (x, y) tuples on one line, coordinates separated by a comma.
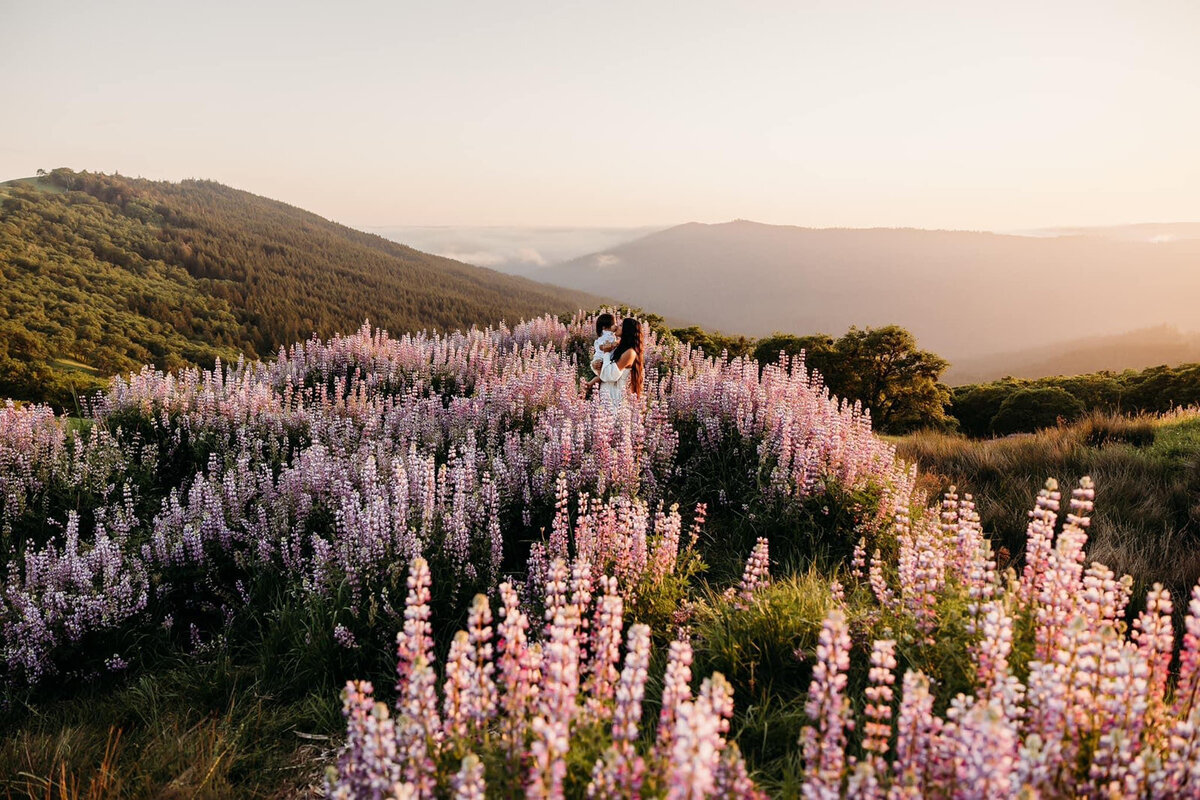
[(610, 371)]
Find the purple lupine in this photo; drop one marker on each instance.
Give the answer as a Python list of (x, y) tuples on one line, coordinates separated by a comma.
[(824, 743), (619, 772), (757, 572), (468, 783), (677, 689), (415, 641)]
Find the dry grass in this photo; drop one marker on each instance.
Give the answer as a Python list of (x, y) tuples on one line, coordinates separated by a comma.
[(1147, 474)]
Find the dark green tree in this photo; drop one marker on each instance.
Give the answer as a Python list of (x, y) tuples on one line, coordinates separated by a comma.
[(885, 370), (1028, 410)]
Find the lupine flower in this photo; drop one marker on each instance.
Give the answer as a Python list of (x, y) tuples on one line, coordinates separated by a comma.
[(757, 573), (677, 690), (468, 783), (824, 745), (620, 771)]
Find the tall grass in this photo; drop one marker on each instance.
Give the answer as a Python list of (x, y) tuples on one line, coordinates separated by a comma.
[(1147, 470)]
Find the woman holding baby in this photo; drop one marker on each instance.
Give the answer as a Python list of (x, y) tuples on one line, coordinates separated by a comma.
[(618, 361)]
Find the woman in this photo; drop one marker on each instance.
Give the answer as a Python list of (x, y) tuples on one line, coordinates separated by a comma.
[(622, 370)]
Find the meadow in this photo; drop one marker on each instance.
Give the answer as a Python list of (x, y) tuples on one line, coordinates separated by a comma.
[(424, 565)]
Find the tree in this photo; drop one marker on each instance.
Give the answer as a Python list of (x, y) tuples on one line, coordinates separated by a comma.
[(1028, 410), (976, 406), (884, 370)]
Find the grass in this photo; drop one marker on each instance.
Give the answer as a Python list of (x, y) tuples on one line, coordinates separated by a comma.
[(197, 729), (1147, 474), (34, 183), (71, 365)]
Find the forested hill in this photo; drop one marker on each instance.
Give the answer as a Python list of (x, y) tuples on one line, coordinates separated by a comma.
[(103, 273)]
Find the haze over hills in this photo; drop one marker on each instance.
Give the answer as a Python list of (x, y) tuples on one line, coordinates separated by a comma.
[(1150, 347), (102, 273), (964, 294), (1153, 232), (515, 250)]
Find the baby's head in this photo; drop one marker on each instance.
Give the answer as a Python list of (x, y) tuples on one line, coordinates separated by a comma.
[(605, 322)]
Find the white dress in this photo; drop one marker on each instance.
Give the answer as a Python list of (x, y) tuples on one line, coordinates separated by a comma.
[(614, 382)]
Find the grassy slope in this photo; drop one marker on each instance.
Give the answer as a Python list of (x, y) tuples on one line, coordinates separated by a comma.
[(1147, 474)]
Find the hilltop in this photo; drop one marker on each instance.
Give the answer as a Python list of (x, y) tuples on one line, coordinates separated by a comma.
[(962, 293), (102, 273)]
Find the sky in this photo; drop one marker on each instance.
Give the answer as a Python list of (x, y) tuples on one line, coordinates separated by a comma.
[(962, 114)]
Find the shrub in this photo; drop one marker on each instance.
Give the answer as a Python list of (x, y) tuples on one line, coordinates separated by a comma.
[(1029, 410)]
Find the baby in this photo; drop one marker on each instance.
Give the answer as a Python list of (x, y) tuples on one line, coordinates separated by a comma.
[(606, 342)]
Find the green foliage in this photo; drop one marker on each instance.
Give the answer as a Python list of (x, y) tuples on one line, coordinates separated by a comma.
[(100, 274), (818, 350), (1153, 390), (883, 369), (1035, 408), (765, 647), (713, 343)]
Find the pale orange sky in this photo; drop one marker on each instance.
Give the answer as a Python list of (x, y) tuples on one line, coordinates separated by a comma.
[(951, 114)]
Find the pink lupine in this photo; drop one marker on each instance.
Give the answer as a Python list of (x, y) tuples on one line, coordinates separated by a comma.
[(1187, 687), (518, 673), (922, 570), (456, 691), (858, 559), (1122, 702), (983, 741), (602, 672), (698, 742), (879, 585), (548, 755), (667, 528), (1155, 638), (468, 783), (368, 766), (991, 652), (556, 590), (918, 734), (824, 743), (757, 572), (419, 728), (482, 690), (878, 730), (581, 598), (415, 641), (1039, 536), (1104, 598), (561, 529), (619, 772), (1180, 773), (677, 690), (731, 779)]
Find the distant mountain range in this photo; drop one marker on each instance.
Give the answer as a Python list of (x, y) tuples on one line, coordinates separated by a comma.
[(1140, 349), (515, 250), (103, 273), (964, 294), (1153, 232)]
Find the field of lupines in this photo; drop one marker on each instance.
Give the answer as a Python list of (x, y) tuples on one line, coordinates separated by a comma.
[(728, 589)]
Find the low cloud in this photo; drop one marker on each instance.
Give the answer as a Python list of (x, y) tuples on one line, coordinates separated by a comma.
[(520, 251)]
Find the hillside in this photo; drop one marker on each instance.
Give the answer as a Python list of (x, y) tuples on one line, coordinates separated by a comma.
[(1163, 344), (962, 293), (103, 273)]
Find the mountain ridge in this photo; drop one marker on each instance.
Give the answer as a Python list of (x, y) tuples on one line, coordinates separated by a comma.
[(963, 293)]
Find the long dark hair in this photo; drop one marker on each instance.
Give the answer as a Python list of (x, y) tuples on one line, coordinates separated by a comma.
[(631, 339)]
